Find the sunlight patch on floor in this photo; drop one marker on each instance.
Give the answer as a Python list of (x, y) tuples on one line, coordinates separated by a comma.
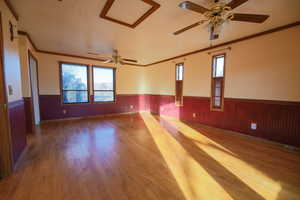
[(193, 180), (253, 178)]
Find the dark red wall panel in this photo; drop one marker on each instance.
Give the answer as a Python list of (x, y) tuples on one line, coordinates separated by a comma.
[(29, 114), (276, 121), (52, 108), (18, 128)]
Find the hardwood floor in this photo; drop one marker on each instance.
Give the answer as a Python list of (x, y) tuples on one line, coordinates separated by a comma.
[(140, 156)]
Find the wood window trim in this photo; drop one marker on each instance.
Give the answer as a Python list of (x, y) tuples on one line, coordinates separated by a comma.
[(61, 83), (177, 103), (6, 166), (212, 107), (114, 89), (30, 55)]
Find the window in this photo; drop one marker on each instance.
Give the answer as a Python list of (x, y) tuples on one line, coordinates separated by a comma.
[(74, 83), (217, 92), (179, 84), (104, 84)]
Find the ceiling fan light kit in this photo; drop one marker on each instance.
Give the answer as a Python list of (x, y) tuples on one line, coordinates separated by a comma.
[(116, 59), (218, 14)]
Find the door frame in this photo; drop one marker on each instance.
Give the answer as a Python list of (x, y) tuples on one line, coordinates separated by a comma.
[(30, 54), (6, 158)]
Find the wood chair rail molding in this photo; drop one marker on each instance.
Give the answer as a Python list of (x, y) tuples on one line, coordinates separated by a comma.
[(280, 28), (109, 4)]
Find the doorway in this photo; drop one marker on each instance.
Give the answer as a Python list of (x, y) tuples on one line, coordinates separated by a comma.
[(5, 139), (33, 72)]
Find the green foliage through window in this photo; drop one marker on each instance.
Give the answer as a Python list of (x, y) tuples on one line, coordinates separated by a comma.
[(74, 83)]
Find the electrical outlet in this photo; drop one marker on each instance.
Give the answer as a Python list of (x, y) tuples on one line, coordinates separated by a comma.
[(253, 126), (131, 106), (194, 115), (64, 112)]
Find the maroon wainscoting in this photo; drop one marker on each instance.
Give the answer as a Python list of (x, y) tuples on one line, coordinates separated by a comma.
[(29, 114), (276, 121), (17, 127), (52, 108)]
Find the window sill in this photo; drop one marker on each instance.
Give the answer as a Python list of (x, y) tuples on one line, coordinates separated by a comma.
[(217, 109), (178, 104), (104, 102), (73, 104)]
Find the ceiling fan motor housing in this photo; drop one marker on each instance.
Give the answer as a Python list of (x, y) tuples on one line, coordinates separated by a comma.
[(218, 14)]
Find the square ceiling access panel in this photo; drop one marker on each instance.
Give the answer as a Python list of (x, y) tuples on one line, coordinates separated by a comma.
[(129, 13)]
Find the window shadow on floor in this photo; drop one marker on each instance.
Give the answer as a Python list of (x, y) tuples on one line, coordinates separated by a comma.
[(274, 162), (235, 187)]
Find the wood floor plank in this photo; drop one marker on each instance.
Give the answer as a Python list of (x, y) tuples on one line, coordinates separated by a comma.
[(141, 156)]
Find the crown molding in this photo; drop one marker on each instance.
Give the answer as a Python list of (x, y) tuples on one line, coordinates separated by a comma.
[(65, 54), (29, 38), (280, 28), (12, 10)]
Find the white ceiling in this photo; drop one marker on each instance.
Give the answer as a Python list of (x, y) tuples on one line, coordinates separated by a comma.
[(74, 26)]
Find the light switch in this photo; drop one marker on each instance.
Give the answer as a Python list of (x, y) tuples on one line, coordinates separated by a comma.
[(253, 126)]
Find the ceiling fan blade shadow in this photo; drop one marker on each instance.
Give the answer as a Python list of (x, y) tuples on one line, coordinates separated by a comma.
[(249, 17), (94, 54), (130, 60), (107, 61), (132, 64), (192, 6), (235, 3), (189, 27)]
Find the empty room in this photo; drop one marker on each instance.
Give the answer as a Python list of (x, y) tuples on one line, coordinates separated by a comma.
[(149, 100)]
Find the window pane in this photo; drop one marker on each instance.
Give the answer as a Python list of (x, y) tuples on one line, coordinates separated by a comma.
[(75, 96), (179, 72), (103, 96), (74, 77), (217, 91), (217, 83), (103, 79), (219, 66), (217, 101)]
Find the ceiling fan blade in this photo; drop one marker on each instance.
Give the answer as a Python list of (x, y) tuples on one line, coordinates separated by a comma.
[(189, 27), (192, 6), (129, 60), (235, 3), (249, 18), (108, 61)]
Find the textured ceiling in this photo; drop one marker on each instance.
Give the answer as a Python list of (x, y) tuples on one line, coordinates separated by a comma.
[(74, 26)]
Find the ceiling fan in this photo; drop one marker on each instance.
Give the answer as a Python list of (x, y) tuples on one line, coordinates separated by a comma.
[(219, 13), (116, 58)]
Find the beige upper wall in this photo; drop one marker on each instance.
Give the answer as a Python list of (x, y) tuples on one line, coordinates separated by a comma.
[(11, 55), (265, 67), (129, 79)]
